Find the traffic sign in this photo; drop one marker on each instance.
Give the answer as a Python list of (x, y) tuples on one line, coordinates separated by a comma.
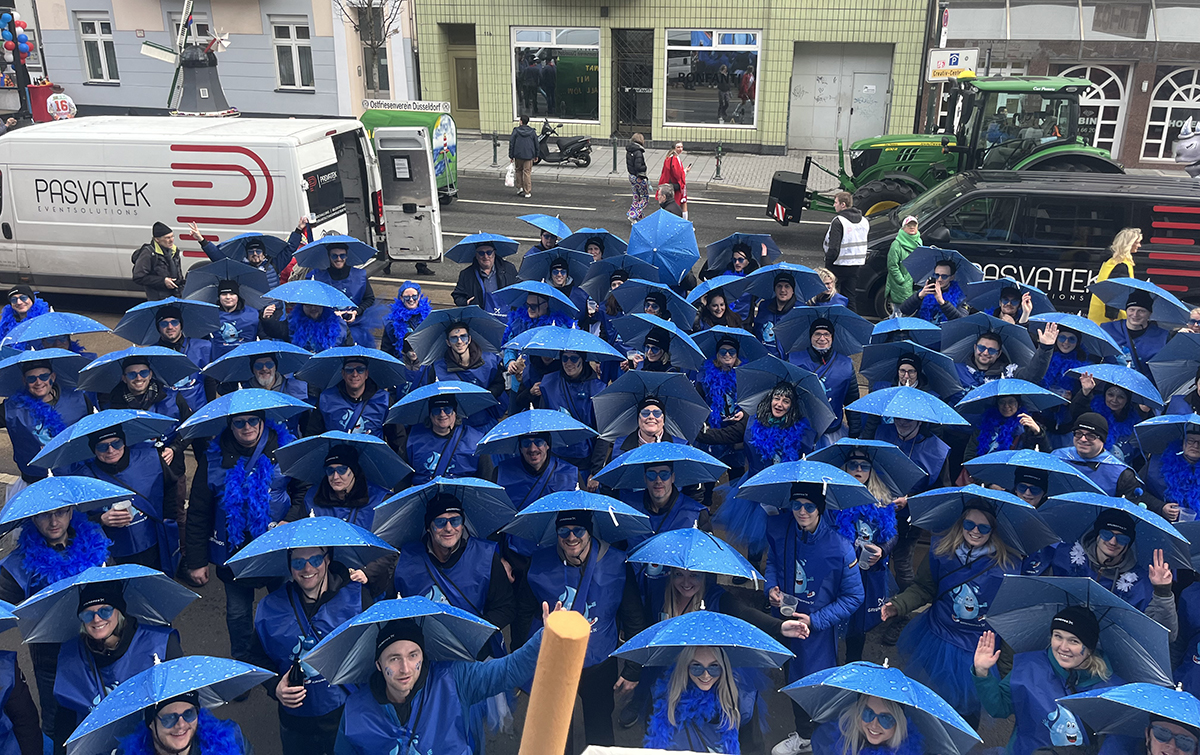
[(946, 65)]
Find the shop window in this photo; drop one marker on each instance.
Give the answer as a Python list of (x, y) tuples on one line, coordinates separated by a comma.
[(1042, 19), (1101, 106), (1176, 20), (556, 73), (1176, 98), (712, 77)]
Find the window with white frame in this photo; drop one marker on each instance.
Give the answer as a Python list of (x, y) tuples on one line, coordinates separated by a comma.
[(201, 32), (712, 77), (99, 51), (1174, 100), (556, 72), (293, 52)]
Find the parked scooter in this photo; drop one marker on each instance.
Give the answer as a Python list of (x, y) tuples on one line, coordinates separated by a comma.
[(576, 149)]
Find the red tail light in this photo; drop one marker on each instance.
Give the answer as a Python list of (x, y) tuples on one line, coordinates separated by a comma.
[(378, 197)]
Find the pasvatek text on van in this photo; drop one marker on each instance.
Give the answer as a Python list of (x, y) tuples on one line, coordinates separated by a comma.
[(90, 197)]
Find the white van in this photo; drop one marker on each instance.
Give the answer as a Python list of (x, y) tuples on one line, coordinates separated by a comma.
[(77, 197)]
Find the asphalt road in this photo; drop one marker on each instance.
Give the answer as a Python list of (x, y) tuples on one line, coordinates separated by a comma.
[(485, 205)]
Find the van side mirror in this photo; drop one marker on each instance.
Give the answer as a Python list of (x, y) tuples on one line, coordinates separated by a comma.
[(937, 233)]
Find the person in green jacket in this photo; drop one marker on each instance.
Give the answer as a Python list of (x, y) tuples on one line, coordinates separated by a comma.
[(899, 281)]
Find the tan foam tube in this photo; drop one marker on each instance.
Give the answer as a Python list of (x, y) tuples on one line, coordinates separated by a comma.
[(552, 698)]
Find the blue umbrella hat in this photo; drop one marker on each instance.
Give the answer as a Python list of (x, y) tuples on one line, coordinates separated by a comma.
[(8, 619), (913, 329), (465, 398), (1139, 386), (1026, 609), (429, 338), (1016, 522), (237, 366), (605, 518), (139, 324), (270, 554), (1079, 518), (518, 294), (77, 442), (347, 655), (551, 341), (1138, 710), (53, 493), (315, 255), (693, 549), (850, 331), (656, 299), (104, 373), (666, 241), (690, 466), (1030, 397), (749, 348), (403, 518), (1176, 366), (559, 429), (548, 223), (719, 254), (18, 369), (960, 336), (536, 266), (707, 287), (1007, 468), (214, 417), (148, 595), (304, 459), (598, 283), (935, 371), (464, 251), (203, 680), (824, 484), (826, 695), (1165, 306), (893, 468), (647, 333), (759, 379), (743, 644), (53, 326), (903, 402), (611, 245), (923, 262), (205, 283), (1156, 434), (1094, 340), (312, 292), (990, 295), (277, 250), (617, 406), (326, 369), (761, 283)]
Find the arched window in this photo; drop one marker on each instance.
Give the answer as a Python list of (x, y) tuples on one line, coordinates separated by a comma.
[(1101, 106), (1176, 98)]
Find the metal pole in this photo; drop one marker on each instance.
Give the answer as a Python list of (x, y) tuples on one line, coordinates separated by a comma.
[(717, 175), (614, 145), (495, 151)]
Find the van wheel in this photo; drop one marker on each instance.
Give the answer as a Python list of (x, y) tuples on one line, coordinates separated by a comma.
[(583, 160), (880, 302), (882, 195), (445, 199)]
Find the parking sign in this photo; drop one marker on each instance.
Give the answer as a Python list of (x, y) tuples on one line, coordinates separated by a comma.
[(946, 65)]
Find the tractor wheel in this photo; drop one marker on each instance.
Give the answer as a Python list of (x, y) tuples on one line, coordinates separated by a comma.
[(1066, 165), (882, 195)]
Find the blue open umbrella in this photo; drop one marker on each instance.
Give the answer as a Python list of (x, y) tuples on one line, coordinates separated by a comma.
[(903, 402), (1128, 378), (1031, 396), (612, 521), (666, 241), (616, 407), (138, 324), (1134, 645), (614, 245), (773, 485), (238, 365), (53, 325), (598, 281), (985, 295), (203, 282), (880, 361), (1156, 433), (347, 655), (315, 254), (517, 294), (761, 282), (719, 254), (277, 250), (413, 409), (893, 468), (218, 680), (632, 296), (311, 292), (959, 337), (304, 459), (548, 223), (1191, 531), (151, 597), (324, 370), (746, 645), (464, 251), (826, 694), (73, 444), (213, 418), (693, 549), (850, 331), (486, 508), (1127, 710), (8, 619), (1094, 340), (429, 338), (758, 378), (633, 330), (710, 285), (104, 372), (913, 329), (564, 430), (1001, 468), (1017, 523), (691, 466), (750, 349), (268, 554), (921, 263), (1114, 292), (1174, 367), (1072, 515), (535, 266), (64, 364), (551, 341), (52, 493)]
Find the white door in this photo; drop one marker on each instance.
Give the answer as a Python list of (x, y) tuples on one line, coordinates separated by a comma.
[(868, 106), (824, 91)]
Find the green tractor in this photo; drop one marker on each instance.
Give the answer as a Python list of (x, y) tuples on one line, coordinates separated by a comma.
[(1003, 123)]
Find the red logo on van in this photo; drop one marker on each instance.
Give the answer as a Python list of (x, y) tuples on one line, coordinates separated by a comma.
[(246, 210), (312, 184)]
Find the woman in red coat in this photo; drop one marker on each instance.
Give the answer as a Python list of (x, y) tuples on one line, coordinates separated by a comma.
[(674, 173)]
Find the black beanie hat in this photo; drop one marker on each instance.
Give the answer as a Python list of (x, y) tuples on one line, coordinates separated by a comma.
[(659, 298), (158, 230), (441, 504), (36, 365), (821, 323), (103, 435), (651, 401), (127, 361), (343, 454), (102, 594), (811, 491), (170, 310), (229, 287), (396, 630), (728, 340), (1138, 298), (1032, 476), (594, 240), (1093, 423), (443, 400), (785, 276), (191, 698), (574, 519), (618, 275), (1116, 521), (1080, 622), (659, 337), (22, 289)]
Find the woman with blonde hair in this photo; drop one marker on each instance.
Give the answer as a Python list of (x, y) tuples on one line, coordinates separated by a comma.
[(700, 705), (871, 726), (831, 295), (1118, 265)]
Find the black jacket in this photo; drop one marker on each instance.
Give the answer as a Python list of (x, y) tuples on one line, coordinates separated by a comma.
[(468, 289), (522, 143), (671, 207), (635, 159), (151, 269)]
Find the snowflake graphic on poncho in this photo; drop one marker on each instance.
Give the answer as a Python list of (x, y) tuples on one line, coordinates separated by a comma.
[(1078, 554), (568, 601), (1126, 581)]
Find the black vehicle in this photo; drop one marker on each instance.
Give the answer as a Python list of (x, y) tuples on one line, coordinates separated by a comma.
[(575, 149), (1050, 230)]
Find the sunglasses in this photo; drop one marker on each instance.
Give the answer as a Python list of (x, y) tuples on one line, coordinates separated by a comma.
[(43, 377), (739, 260), (547, 235), (886, 720), (441, 522), (485, 252), (969, 526), (135, 374), (413, 299), (660, 476), (170, 720), (1194, 323), (533, 442), (336, 469), (653, 350), (807, 507), (242, 424), (459, 339), (558, 271), (264, 366), (698, 670), (314, 561), (437, 410), (1071, 337), (18, 299), (1084, 435), (88, 616), (651, 413), (575, 532), (116, 444), (989, 350), (169, 322), (943, 276), (1183, 742), (1024, 488), (1122, 539), (651, 306), (1010, 300), (727, 352), (857, 466), (359, 370), (336, 257), (572, 359), (535, 305)]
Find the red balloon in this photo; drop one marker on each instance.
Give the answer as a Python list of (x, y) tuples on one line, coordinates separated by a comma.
[(10, 45), (19, 24)]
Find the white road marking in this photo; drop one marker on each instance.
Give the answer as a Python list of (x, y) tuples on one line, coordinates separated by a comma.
[(514, 238), (527, 204)]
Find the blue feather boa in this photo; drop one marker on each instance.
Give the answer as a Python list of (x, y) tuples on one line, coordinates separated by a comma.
[(44, 415), (931, 311), (995, 429), (248, 495), (694, 705), (401, 319), (88, 548), (8, 319), (315, 335), (881, 518), (913, 744), (721, 386), (1182, 478), (1117, 431), (779, 444), (519, 321), (216, 737), (1056, 377)]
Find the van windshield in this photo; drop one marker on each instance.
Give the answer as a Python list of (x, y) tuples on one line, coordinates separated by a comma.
[(932, 201)]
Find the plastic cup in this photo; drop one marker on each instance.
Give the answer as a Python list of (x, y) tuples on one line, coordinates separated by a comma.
[(788, 605), (122, 505)]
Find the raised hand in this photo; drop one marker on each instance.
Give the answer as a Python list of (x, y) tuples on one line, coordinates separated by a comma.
[(986, 653), (1048, 335), (1087, 383), (888, 611), (1160, 570)]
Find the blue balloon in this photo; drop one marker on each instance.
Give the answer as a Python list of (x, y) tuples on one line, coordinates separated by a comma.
[(22, 38), (6, 19), (24, 48), (6, 34)]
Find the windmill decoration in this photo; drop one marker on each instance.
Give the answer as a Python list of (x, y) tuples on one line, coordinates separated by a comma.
[(195, 88)]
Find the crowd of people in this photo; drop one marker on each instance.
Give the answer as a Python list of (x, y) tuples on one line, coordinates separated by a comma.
[(715, 461)]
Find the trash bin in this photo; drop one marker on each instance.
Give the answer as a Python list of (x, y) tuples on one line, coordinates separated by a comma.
[(38, 94)]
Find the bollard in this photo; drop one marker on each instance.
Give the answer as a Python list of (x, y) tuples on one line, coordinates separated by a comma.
[(555, 682), (717, 175), (614, 143), (495, 151)]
